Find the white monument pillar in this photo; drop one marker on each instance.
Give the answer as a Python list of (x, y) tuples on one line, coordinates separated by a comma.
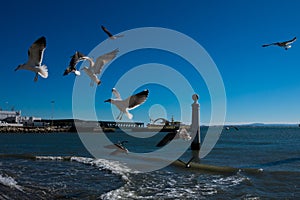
[(195, 126)]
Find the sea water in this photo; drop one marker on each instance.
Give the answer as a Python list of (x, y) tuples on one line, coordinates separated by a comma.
[(57, 166)]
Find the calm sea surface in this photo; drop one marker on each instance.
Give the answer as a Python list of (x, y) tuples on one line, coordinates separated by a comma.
[(57, 166)]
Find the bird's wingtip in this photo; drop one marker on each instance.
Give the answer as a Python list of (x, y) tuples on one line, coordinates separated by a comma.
[(41, 40), (66, 72), (17, 68)]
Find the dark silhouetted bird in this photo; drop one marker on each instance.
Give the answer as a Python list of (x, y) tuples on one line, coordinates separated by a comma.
[(111, 36), (77, 57), (286, 45)]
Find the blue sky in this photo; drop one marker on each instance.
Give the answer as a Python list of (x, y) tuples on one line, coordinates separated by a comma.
[(262, 84)]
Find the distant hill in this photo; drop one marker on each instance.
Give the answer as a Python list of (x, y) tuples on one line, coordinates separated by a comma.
[(269, 125), (261, 125)]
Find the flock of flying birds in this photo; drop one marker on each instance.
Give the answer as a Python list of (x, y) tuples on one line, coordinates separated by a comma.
[(36, 52), (35, 58), (34, 64)]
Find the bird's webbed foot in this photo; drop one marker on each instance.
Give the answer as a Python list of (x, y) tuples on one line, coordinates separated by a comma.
[(36, 77)]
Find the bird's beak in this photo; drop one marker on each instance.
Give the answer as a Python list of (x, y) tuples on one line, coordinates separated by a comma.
[(108, 100)]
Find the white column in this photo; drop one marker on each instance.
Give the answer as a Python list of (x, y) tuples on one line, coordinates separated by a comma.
[(195, 126)]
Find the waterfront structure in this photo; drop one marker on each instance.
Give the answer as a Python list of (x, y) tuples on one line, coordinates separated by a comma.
[(10, 116), (14, 118), (164, 124)]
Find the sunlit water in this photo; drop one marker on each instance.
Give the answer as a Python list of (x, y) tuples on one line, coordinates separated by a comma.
[(57, 166)]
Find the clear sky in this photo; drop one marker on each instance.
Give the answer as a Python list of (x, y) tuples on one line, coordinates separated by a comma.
[(262, 84)]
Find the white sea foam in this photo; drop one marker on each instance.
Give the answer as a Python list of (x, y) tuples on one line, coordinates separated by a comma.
[(229, 181), (113, 166), (170, 185), (10, 182), (158, 184), (49, 157)]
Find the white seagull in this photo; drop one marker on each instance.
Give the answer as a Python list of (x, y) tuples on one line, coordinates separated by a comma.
[(77, 57), (111, 36), (35, 58), (96, 67), (178, 134), (128, 104), (286, 45)]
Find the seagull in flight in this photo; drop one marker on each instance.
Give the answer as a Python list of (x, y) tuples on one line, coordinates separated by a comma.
[(77, 57), (178, 134), (128, 104), (120, 148), (111, 36), (96, 67), (286, 45), (229, 127), (35, 58)]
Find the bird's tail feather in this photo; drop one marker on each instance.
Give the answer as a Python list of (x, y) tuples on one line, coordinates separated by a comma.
[(43, 71), (77, 73)]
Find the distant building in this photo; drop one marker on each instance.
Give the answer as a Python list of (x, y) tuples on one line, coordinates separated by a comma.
[(14, 118), (10, 116), (33, 121)]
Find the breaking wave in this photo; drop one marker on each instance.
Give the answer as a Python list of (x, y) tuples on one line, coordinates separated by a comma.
[(9, 182)]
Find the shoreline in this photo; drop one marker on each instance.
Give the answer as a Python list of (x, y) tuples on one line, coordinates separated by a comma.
[(29, 129)]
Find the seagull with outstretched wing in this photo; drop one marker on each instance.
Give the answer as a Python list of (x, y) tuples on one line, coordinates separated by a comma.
[(77, 57), (286, 44), (95, 68), (128, 104), (111, 36), (35, 58)]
